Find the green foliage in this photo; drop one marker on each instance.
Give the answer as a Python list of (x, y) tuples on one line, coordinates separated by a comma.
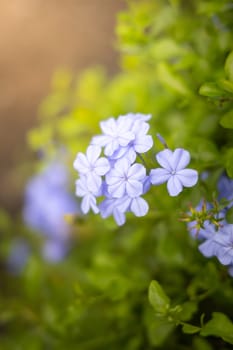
[(176, 64)]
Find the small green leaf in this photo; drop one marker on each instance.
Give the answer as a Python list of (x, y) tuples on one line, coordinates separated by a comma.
[(227, 120), (219, 326), (159, 330), (190, 329), (158, 299), (226, 85), (212, 90)]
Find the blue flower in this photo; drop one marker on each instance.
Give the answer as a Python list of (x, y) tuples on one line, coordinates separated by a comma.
[(47, 201), (92, 166), (109, 206), (224, 241), (209, 247), (125, 179), (140, 144), (136, 205), (173, 171), (225, 188), (220, 244), (115, 133)]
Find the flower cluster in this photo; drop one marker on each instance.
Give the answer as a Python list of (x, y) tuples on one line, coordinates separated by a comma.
[(216, 233), (109, 169), (47, 200)]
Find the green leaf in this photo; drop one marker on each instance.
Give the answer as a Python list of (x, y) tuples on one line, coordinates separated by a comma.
[(219, 326), (229, 66), (229, 162), (227, 120), (187, 310), (226, 85), (158, 299), (212, 90), (190, 329), (159, 330), (229, 215)]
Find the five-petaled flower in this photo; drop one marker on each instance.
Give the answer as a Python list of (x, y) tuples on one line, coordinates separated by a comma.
[(173, 171), (92, 166), (125, 179)]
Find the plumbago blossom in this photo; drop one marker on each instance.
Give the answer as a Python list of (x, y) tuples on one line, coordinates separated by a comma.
[(216, 234), (47, 201), (173, 171), (112, 181)]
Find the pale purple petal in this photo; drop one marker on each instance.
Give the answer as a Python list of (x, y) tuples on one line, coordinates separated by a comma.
[(225, 255), (143, 144), (125, 138), (81, 188), (101, 140), (208, 248), (85, 204), (81, 163), (174, 186), (146, 184), (93, 183), (93, 205), (93, 152), (124, 204), (117, 190), (139, 206), (111, 147), (119, 217), (123, 166), (102, 166), (159, 176), (137, 172), (134, 188), (180, 159), (109, 126), (113, 177), (163, 158), (188, 177)]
